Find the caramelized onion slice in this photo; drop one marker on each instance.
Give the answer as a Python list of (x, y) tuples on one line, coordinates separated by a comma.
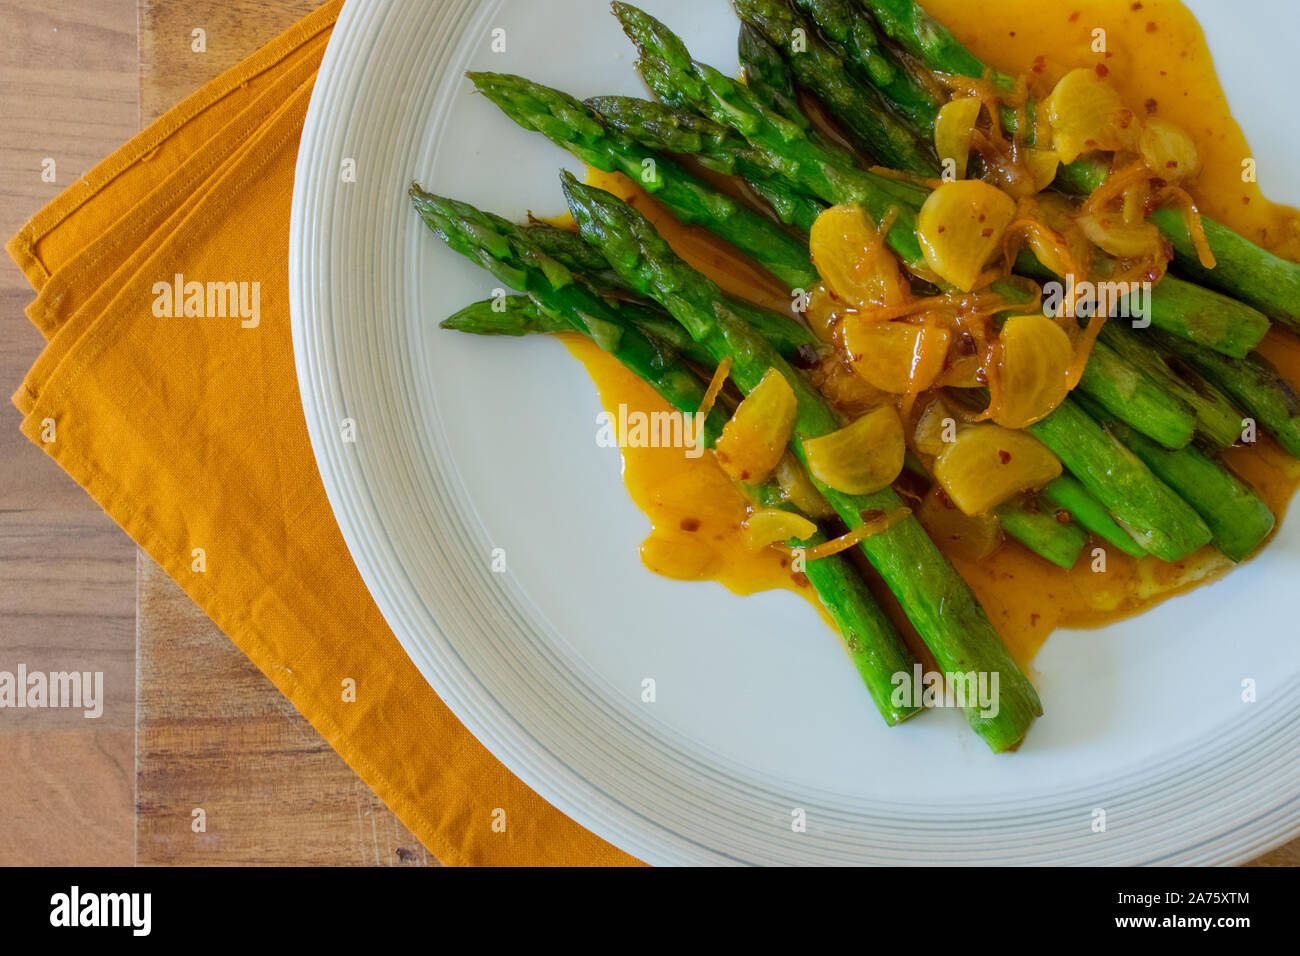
[(852, 259), (895, 356), (960, 227), (862, 457), (1086, 113), (769, 526), (952, 132), (1034, 375), (989, 464), (755, 438), (1168, 150)]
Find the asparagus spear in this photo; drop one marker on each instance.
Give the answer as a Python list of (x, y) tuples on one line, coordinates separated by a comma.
[(1124, 391), (1156, 517), (1253, 383), (1043, 534), (1206, 317), (768, 76), (1066, 492), (502, 248), (792, 340), (682, 132), (781, 144), (1243, 270), (821, 70), (1237, 517), (578, 129), (1184, 309), (1217, 421), (935, 598), (515, 315), (853, 38)]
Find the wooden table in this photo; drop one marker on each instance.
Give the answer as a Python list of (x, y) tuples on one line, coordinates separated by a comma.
[(210, 730)]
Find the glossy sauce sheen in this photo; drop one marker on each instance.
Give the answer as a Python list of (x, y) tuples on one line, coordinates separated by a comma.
[(1159, 62)]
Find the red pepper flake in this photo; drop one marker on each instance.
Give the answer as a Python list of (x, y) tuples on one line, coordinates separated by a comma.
[(1102, 69), (1074, 16), (690, 524), (1151, 106), (1005, 456), (1171, 164), (987, 232), (1136, 6), (1245, 200), (1040, 63), (744, 475), (1062, 516), (1151, 27), (800, 579), (943, 228)]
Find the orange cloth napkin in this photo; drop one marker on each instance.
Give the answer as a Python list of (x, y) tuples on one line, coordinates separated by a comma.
[(189, 433)]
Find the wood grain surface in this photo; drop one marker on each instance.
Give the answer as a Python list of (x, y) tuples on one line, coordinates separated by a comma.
[(68, 69), (213, 733)]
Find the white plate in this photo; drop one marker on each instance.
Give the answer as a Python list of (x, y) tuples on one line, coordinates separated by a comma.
[(464, 446)]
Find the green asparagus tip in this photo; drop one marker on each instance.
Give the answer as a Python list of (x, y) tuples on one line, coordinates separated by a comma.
[(649, 34)]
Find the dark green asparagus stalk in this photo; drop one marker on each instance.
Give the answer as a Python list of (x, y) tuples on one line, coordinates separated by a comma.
[(516, 315), (768, 76), (935, 598), (855, 38), (1218, 423), (519, 315), (780, 144), (1189, 311), (1136, 398), (502, 248), (1206, 317), (1243, 270), (1237, 517), (578, 129), (794, 341), (718, 147), (1067, 492), (792, 208), (1155, 516), (1043, 534), (856, 107), (681, 132), (1251, 382)]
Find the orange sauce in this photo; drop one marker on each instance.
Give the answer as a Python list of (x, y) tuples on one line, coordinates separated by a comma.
[(1159, 62)]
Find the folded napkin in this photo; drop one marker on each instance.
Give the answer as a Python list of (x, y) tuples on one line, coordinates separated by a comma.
[(176, 407)]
